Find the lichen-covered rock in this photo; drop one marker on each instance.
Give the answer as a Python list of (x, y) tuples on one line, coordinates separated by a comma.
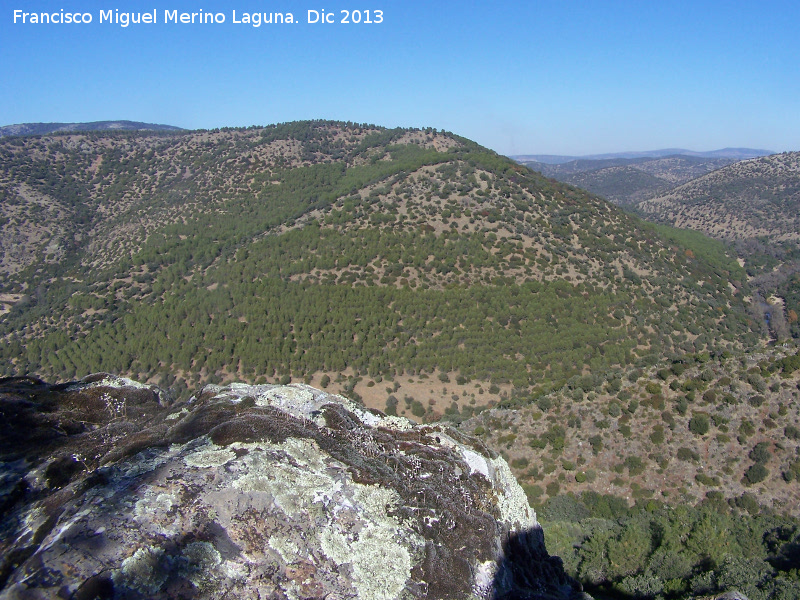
[(253, 492)]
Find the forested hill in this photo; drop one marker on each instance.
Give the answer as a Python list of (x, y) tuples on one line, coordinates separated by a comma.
[(334, 251)]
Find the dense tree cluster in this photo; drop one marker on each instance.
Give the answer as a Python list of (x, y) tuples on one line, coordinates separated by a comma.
[(653, 550)]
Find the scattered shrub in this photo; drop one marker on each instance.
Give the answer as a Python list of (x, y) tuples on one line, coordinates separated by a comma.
[(755, 474), (791, 432), (653, 388), (553, 488), (657, 437), (760, 453), (417, 409), (699, 424), (520, 463)]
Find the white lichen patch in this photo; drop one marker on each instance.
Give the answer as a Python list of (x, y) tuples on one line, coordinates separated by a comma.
[(295, 488), (143, 571), (352, 521), (154, 511), (304, 402), (484, 579), (210, 456), (396, 423), (200, 560), (382, 545), (375, 551), (476, 462), (111, 381), (511, 499), (176, 415), (143, 463), (287, 549), (294, 400)]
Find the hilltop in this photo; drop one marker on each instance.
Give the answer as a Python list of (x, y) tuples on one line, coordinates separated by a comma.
[(392, 255), (45, 128)]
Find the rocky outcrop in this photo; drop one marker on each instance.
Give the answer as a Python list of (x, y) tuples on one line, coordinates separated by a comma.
[(109, 490)]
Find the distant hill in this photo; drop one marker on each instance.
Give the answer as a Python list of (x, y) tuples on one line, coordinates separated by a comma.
[(755, 205), (626, 178), (626, 181), (758, 198), (732, 153), (45, 128)]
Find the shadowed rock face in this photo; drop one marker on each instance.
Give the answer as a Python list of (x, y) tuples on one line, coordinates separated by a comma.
[(107, 490)]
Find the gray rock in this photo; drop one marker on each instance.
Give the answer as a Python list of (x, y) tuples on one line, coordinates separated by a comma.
[(732, 595), (254, 492)]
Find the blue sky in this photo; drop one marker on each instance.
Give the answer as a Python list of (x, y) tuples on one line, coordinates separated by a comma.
[(557, 77)]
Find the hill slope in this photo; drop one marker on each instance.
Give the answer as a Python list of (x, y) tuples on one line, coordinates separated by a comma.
[(334, 251), (758, 198), (755, 205)]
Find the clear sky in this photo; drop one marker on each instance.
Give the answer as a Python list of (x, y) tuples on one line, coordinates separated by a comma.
[(555, 77)]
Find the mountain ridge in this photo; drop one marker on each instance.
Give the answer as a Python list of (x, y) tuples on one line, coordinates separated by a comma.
[(733, 153), (46, 128)]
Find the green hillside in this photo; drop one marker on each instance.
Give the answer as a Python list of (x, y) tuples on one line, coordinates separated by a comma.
[(347, 251)]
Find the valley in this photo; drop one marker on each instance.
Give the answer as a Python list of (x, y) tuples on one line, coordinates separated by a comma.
[(425, 276)]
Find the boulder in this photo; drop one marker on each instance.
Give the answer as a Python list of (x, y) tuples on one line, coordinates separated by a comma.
[(110, 490)]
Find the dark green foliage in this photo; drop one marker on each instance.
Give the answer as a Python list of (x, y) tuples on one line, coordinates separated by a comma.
[(417, 409), (653, 549), (792, 473), (755, 474), (699, 424), (635, 465), (653, 388), (596, 442), (520, 463), (788, 364), (657, 436), (564, 507), (761, 453), (552, 488)]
